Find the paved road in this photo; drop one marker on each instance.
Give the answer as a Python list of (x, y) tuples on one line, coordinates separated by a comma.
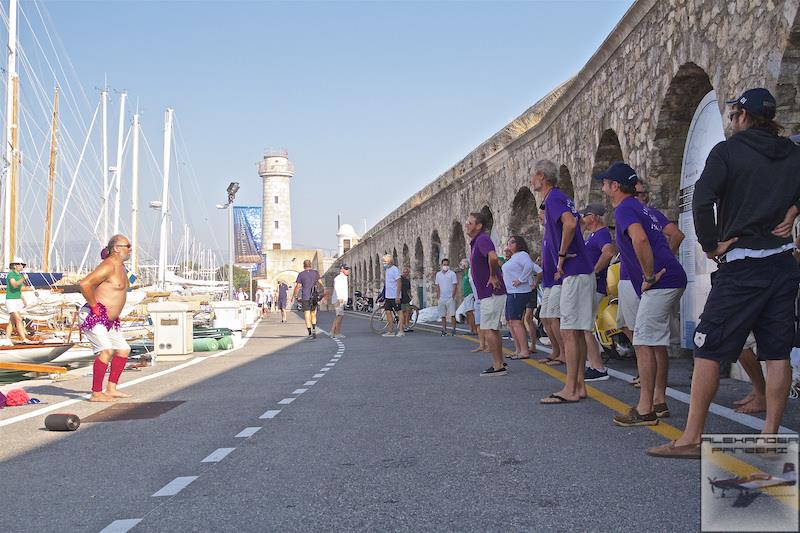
[(366, 434)]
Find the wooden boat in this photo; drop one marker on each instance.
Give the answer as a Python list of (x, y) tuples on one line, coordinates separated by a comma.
[(32, 353)]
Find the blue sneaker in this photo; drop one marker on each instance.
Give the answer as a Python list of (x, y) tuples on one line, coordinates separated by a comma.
[(592, 374)]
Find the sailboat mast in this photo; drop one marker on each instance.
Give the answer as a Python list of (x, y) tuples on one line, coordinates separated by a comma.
[(162, 248), (118, 168), (135, 196), (11, 73), (48, 219), (104, 99), (14, 174)]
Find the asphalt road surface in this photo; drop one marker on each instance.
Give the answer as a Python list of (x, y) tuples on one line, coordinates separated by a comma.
[(367, 433)]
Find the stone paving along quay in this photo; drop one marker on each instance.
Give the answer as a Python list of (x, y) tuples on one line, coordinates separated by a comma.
[(367, 433)]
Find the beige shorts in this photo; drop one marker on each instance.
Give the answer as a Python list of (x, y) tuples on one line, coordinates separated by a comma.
[(551, 302), (447, 308), (627, 305), (103, 339), (653, 318), (339, 309), (577, 302), (15, 305), (492, 310)]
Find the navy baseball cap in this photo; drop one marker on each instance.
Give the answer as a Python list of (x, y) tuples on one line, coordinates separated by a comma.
[(621, 173), (758, 101), (594, 208), (345, 266)]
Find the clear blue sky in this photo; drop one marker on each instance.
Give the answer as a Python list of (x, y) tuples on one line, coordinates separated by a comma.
[(373, 100)]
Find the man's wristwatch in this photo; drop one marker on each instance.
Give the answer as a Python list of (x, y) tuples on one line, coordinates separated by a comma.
[(650, 279), (562, 255)]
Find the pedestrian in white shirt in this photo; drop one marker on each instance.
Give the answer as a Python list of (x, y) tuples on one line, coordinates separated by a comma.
[(260, 301), (392, 291), (340, 295), (445, 288), (518, 271)]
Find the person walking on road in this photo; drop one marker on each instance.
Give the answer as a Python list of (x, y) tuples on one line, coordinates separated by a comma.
[(445, 284), (309, 286), (341, 293), (14, 303), (105, 291), (487, 279), (744, 206), (283, 296), (392, 292), (260, 301)]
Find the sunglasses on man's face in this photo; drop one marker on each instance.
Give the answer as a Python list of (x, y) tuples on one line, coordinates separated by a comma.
[(128, 246)]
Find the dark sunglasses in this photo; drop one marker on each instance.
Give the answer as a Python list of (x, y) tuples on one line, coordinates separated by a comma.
[(128, 246)]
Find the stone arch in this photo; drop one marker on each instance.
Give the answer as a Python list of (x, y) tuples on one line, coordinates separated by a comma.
[(524, 217), (788, 86), (365, 276), (487, 212), (565, 181), (458, 244), (406, 257), (418, 272), (394, 256), (687, 88), (436, 251), (608, 151), (378, 281), (370, 275)]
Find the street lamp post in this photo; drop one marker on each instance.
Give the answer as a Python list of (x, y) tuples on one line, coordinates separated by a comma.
[(233, 188)]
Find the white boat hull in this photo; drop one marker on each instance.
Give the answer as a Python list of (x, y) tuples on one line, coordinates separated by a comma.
[(32, 353)]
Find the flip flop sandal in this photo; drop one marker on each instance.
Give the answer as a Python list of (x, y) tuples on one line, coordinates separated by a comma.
[(558, 400), (554, 362)]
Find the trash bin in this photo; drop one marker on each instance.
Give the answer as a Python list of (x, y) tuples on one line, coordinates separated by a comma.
[(251, 313), (228, 314), (173, 324)]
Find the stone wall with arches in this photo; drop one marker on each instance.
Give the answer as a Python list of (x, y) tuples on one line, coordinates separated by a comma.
[(634, 101)]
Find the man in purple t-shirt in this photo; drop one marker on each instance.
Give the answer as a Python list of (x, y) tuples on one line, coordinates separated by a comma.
[(305, 283), (566, 247), (600, 250), (550, 310), (489, 289), (659, 280)]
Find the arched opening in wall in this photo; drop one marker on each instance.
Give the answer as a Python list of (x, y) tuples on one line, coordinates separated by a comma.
[(378, 272), (487, 213), (685, 92), (436, 252), (788, 90), (458, 245), (370, 275), (565, 182), (608, 152), (524, 217), (365, 275), (419, 260), (394, 256), (406, 257)]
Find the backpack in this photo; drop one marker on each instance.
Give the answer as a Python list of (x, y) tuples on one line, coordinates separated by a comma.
[(317, 292)]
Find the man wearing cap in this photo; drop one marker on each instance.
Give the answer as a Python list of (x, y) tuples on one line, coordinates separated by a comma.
[(600, 251), (658, 279), (340, 294), (14, 303), (744, 204), (573, 267)]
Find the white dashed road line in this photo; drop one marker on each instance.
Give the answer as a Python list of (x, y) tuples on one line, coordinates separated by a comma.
[(217, 455), (317, 376), (121, 526), (286, 401), (272, 413), (309, 383), (299, 391), (247, 432), (175, 486)]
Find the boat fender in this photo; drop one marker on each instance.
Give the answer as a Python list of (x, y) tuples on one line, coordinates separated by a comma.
[(62, 422)]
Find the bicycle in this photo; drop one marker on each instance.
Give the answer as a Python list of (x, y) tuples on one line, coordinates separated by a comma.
[(361, 303), (377, 322)]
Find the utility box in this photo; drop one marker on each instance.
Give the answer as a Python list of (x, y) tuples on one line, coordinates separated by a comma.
[(173, 324), (228, 314), (250, 313)]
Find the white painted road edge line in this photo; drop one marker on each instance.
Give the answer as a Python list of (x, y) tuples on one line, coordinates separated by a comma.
[(217, 455), (121, 526), (65, 403), (175, 486), (247, 432), (286, 401), (272, 413)]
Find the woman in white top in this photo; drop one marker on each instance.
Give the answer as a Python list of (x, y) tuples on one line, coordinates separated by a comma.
[(518, 271)]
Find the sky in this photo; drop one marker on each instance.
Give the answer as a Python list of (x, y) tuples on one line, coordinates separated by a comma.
[(373, 100)]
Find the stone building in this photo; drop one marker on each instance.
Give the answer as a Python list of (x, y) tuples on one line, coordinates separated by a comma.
[(661, 67)]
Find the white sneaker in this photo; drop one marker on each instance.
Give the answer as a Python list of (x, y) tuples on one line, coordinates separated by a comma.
[(340, 336), (400, 334), (388, 335)]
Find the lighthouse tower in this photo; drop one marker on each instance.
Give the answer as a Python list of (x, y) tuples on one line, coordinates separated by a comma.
[(276, 223)]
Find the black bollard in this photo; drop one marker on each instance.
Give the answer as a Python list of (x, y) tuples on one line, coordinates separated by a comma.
[(62, 422)]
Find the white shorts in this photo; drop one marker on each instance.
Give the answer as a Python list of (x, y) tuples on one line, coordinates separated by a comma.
[(577, 302), (15, 305), (447, 308), (103, 339), (627, 305), (469, 303), (750, 342), (653, 318), (477, 312), (492, 310), (551, 302), (339, 309)]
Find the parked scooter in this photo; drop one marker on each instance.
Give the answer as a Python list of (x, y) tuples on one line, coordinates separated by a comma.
[(615, 343)]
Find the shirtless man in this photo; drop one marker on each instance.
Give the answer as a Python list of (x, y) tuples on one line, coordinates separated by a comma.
[(105, 291)]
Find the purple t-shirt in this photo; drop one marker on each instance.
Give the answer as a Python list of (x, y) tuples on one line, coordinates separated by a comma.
[(307, 278), (548, 268), (555, 204), (663, 220), (631, 211), (480, 247), (594, 249)]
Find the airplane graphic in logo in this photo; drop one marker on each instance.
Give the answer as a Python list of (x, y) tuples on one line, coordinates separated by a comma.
[(757, 481)]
